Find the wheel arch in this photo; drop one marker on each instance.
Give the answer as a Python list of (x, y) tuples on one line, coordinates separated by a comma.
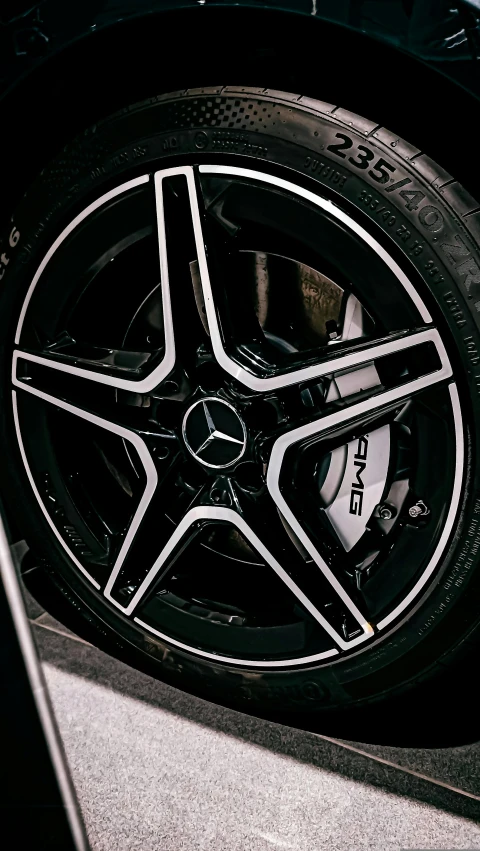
[(76, 86)]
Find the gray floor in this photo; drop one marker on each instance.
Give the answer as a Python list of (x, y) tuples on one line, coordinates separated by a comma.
[(158, 770)]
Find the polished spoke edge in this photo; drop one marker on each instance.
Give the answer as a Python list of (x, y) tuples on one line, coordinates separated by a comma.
[(452, 511), (331, 421), (245, 377), (218, 514), (119, 190), (276, 382), (330, 207), (252, 663), (150, 381), (143, 454), (40, 501)]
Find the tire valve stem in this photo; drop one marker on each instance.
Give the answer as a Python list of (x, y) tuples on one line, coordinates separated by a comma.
[(419, 509)]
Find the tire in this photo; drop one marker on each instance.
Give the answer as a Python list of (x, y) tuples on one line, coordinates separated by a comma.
[(412, 234)]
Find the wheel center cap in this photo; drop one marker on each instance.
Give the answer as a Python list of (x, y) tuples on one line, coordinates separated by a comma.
[(214, 433)]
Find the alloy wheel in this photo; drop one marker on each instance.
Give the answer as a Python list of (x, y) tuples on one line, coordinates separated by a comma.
[(238, 416)]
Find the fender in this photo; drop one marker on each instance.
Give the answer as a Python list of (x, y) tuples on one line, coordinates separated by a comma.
[(440, 32)]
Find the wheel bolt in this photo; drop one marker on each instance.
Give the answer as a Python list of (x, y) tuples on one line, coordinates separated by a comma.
[(170, 387), (386, 512), (220, 497), (249, 477), (162, 453)]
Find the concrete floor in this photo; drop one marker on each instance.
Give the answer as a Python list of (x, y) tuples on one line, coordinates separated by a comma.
[(159, 770)]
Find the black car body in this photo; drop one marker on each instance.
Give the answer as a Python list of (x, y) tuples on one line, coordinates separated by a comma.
[(95, 50)]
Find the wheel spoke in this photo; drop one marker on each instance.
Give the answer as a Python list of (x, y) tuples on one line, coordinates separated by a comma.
[(332, 359), (140, 372), (343, 419), (251, 366), (111, 365), (266, 534), (136, 442), (152, 534), (332, 606), (202, 515)]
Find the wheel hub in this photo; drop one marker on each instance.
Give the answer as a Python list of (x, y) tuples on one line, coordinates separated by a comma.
[(214, 433)]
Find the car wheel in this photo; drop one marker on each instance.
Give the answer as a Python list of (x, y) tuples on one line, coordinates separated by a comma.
[(241, 396)]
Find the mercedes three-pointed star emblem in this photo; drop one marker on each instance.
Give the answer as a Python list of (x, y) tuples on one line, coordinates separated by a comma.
[(214, 433)]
